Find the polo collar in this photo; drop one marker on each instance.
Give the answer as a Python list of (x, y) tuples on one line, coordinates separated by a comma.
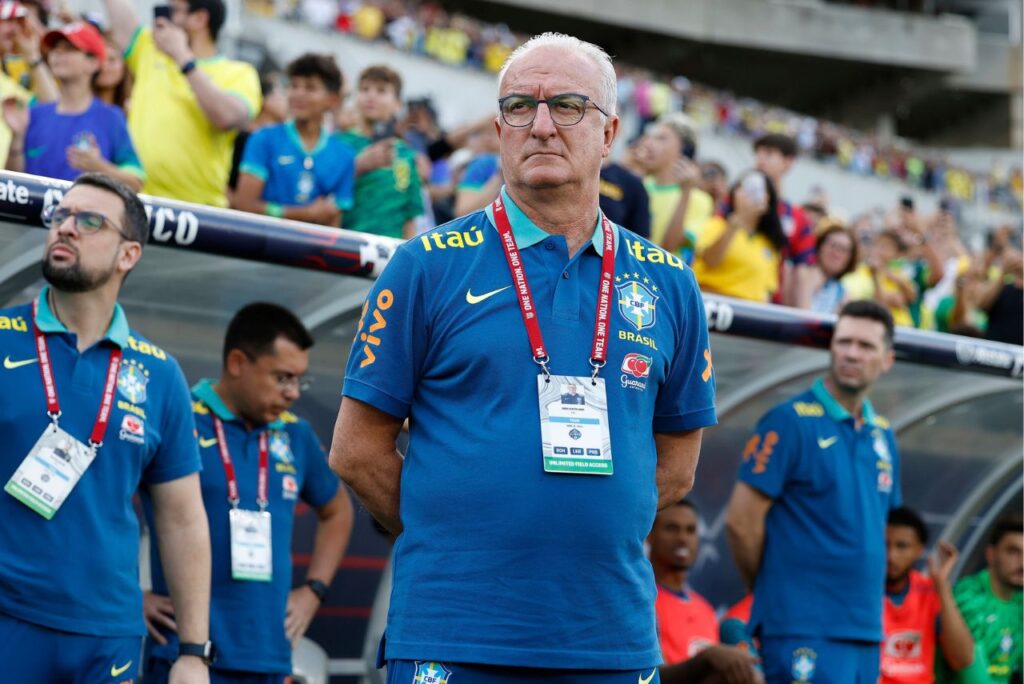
[(48, 322), (204, 392), (527, 233), (293, 135), (835, 410)]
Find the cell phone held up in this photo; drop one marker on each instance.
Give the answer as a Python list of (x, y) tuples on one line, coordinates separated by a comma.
[(383, 130), (162, 11), (755, 187)]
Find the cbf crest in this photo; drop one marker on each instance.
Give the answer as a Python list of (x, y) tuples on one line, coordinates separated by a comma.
[(637, 299), (280, 446), (431, 673), (132, 379), (804, 665)]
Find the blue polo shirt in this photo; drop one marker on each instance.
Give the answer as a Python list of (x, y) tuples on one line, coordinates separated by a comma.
[(79, 571), (247, 618), (823, 569), (294, 176), (502, 563)]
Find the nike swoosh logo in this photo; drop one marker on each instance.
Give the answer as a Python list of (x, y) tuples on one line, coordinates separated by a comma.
[(647, 679), (204, 443), (285, 160), (34, 152), (476, 299), (117, 671), (11, 365), (826, 443)]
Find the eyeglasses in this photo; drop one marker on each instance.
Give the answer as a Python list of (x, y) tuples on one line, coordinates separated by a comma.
[(566, 109), (287, 381), (86, 222)]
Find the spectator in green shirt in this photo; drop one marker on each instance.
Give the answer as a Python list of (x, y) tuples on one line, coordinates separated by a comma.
[(387, 193)]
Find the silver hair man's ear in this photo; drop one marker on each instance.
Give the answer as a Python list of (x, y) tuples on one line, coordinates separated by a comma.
[(607, 95)]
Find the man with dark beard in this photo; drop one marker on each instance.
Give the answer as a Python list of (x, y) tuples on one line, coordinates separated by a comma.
[(92, 411), (807, 518)]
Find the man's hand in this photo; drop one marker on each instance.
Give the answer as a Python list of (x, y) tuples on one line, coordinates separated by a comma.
[(376, 156), (16, 117), (172, 40), (322, 210), (158, 611), (731, 665), (189, 670), (686, 174), (302, 606), (85, 158), (28, 39), (942, 562)]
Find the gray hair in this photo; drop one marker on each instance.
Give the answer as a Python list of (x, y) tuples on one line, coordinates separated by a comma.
[(607, 88)]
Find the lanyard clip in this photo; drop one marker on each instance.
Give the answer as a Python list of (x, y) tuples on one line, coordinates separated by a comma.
[(543, 362), (54, 417), (234, 501), (597, 366), (262, 503)]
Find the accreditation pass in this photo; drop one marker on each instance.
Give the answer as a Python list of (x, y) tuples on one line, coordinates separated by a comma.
[(574, 425)]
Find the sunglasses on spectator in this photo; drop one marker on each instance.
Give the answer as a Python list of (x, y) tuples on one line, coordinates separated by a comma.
[(566, 109)]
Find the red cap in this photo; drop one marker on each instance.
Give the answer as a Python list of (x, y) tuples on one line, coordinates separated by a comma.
[(83, 36)]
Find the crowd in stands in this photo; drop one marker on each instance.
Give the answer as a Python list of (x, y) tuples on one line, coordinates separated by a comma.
[(161, 109), (424, 28)]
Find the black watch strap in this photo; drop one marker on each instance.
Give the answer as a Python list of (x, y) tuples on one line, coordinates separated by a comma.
[(205, 652), (318, 588)]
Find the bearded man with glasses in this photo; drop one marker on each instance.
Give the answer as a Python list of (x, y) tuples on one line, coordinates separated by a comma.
[(520, 519), (92, 411)]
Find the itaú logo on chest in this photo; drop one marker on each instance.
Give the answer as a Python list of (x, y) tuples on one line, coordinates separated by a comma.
[(903, 645)]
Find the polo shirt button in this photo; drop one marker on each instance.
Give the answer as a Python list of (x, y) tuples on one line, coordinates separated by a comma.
[(549, 245), (565, 274)]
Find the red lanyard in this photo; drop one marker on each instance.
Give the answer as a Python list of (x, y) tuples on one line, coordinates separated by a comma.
[(50, 387), (599, 349), (229, 467)]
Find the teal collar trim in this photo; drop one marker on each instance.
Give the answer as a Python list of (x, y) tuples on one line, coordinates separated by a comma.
[(49, 323), (293, 135), (204, 392), (527, 233), (835, 410)]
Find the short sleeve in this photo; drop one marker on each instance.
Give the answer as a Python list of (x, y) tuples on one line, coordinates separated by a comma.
[(319, 483), (709, 233), (478, 173), (258, 155), (178, 452), (243, 82), (125, 157), (139, 47), (392, 337), (686, 400), (769, 454), (344, 191)]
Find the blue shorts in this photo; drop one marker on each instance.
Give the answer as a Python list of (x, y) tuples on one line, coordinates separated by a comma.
[(426, 672), (787, 660), (31, 653), (158, 671)]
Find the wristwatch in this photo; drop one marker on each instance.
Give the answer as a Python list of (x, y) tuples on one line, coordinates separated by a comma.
[(318, 588), (205, 652)]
